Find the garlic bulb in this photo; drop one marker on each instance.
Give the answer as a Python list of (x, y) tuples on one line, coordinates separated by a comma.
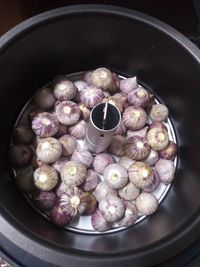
[(91, 204), (101, 161), (129, 192), (157, 124), (82, 156), (80, 85), (73, 201), (44, 98), (20, 155), (103, 78), (165, 169), (115, 102), (91, 96), (142, 132), (169, 152), (127, 85), (137, 148), (64, 89), (134, 118), (59, 217), (24, 179), (59, 164), (78, 130), (154, 185), (62, 130), (44, 200), (139, 97), (102, 190), (130, 215), (61, 189), (159, 112), (152, 158), (125, 162), (98, 222), (157, 138), (67, 112), (85, 112), (112, 208), (23, 135), (117, 146), (140, 174), (121, 129), (121, 97), (146, 203), (73, 174), (88, 77), (45, 124), (68, 144), (91, 181), (45, 178), (115, 176)]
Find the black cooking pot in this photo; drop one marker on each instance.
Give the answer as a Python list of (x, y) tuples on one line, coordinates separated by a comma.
[(78, 38)]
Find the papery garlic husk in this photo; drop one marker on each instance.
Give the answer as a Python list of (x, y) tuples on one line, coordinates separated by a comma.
[(154, 185), (115, 176), (31, 114), (117, 146), (73, 201), (44, 98), (125, 162), (166, 170), (68, 144), (23, 135), (137, 148), (24, 179), (146, 203), (139, 97), (61, 189), (169, 152), (88, 77), (20, 155), (44, 200), (49, 150), (140, 174), (121, 97), (45, 124), (91, 96), (80, 85), (101, 161), (152, 158), (67, 112), (102, 190), (98, 222), (82, 156), (45, 178), (134, 118), (157, 138), (130, 215), (78, 130), (113, 101), (62, 130), (91, 204), (73, 174), (59, 164), (157, 124), (64, 89), (91, 181), (159, 112), (142, 132), (121, 129), (129, 192), (59, 217), (112, 208), (129, 84), (85, 112), (103, 78)]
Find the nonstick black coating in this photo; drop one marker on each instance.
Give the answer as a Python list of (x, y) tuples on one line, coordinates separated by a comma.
[(79, 38)]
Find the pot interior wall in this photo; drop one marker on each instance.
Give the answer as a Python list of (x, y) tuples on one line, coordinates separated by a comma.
[(82, 41)]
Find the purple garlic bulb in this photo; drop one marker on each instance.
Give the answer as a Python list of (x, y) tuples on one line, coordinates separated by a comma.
[(91, 96), (78, 130), (64, 89), (166, 170), (67, 112), (130, 215), (68, 144), (82, 156), (59, 217), (146, 203), (44, 98), (85, 111), (80, 85), (159, 112), (117, 146), (137, 148), (129, 192), (44, 200), (101, 161), (91, 204), (154, 185), (134, 118), (102, 190), (129, 84), (139, 97), (91, 181), (104, 79), (169, 152), (98, 222), (59, 164)]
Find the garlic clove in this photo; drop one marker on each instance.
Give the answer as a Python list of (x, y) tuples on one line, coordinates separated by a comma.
[(101, 161), (59, 164), (134, 118), (73, 174), (146, 203), (24, 179), (157, 138), (115, 176), (67, 112), (159, 112), (91, 204), (82, 156), (49, 150), (23, 135), (45, 178), (112, 208), (103, 78), (166, 170), (130, 215), (78, 130), (98, 222), (137, 148), (84, 111), (91, 181), (154, 185), (169, 152), (117, 146), (129, 192), (91, 96), (139, 97), (102, 190), (125, 162), (142, 132), (129, 84), (20, 155), (44, 98), (44, 200), (140, 174), (152, 158), (59, 217), (64, 89), (80, 85), (68, 144)]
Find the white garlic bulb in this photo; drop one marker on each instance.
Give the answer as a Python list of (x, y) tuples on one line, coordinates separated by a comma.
[(165, 169), (157, 138), (78, 130), (159, 112), (115, 176), (45, 178), (146, 203), (101, 161), (129, 192), (82, 156), (125, 162)]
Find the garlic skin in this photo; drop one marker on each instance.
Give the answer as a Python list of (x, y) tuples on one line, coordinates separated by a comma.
[(44, 98), (68, 144), (24, 179), (67, 112), (126, 162), (101, 161), (80, 85), (88, 77), (152, 158), (117, 146), (166, 170), (140, 174), (139, 97), (82, 156), (73, 174), (137, 148), (157, 138), (84, 111), (91, 96), (45, 178), (129, 192), (91, 181), (44, 200), (98, 222), (142, 132), (20, 155), (102, 190), (61, 189), (78, 130), (129, 84), (115, 102), (115, 176), (59, 217), (45, 124), (112, 208), (49, 150), (169, 152), (121, 97), (146, 203), (157, 124), (155, 183), (103, 78), (121, 129), (73, 201), (64, 89), (59, 164), (159, 112), (23, 135), (91, 204), (62, 130), (130, 215), (134, 118)]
